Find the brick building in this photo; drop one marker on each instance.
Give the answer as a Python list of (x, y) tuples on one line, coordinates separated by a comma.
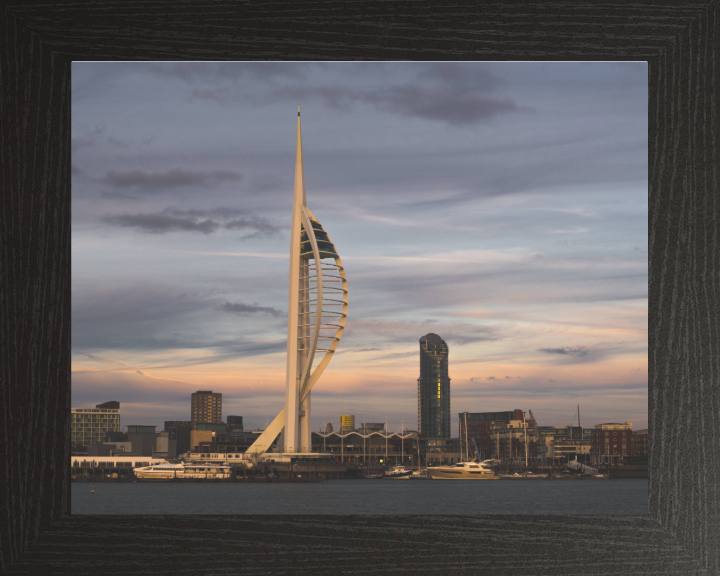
[(639, 443), (611, 442)]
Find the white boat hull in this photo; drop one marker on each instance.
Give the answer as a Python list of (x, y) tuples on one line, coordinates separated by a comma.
[(462, 471), (179, 472)]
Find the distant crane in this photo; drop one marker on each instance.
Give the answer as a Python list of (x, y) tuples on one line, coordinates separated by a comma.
[(533, 429), (533, 423)]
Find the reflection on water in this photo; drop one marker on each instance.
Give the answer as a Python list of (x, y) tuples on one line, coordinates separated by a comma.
[(367, 497)]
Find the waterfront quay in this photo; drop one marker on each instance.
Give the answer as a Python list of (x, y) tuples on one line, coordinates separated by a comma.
[(319, 472), (264, 472)]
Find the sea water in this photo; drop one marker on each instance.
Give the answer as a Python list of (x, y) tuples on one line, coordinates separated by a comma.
[(621, 496)]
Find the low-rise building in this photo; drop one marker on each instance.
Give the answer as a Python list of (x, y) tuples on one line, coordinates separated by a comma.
[(143, 439), (226, 442), (611, 442), (480, 426), (639, 443), (89, 425), (369, 427), (78, 463), (560, 444), (513, 442), (119, 448), (387, 449)]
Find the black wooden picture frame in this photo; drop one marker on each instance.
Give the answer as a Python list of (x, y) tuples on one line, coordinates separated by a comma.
[(680, 41)]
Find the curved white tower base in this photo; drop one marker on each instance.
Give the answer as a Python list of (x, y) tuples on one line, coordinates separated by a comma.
[(317, 310)]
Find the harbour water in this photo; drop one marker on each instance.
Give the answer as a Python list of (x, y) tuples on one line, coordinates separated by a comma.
[(621, 496)]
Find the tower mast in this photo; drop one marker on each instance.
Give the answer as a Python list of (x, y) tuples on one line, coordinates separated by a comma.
[(292, 379)]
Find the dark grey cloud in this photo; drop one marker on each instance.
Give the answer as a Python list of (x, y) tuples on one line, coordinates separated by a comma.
[(156, 317), (161, 223), (173, 178), (470, 335), (445, 103), (459, 75), (448, 105), (132, 317), (203, 221), (453, 93), (269, 183), (566, 351), (193, 72), (89, 138), (245, 309)]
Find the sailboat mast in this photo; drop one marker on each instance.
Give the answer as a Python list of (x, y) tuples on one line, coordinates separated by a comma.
[(466, 441)]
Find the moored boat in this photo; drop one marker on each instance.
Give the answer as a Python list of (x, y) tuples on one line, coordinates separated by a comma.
[(182, 470), (462, 471), (397, 472)]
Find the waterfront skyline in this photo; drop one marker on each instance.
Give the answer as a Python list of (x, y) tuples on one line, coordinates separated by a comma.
[(502, 206)]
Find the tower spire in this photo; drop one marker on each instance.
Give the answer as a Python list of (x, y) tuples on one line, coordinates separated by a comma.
[(299, 171)]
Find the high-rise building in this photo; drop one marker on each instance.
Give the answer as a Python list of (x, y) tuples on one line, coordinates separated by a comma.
[(89, 425), (317, 310), (347, 423), (434, 388), (205, 406)]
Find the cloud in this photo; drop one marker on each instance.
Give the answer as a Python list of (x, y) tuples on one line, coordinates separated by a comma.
[(450, 104), (203, 221), (90, 138), (159, 319), (454, 93), (491, 378), (193, 72), (173, 178), (403, 332), (578, 351), (161, 223), (244, 309)]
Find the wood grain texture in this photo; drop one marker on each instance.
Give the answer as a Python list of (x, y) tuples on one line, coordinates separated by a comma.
[(681, 43)]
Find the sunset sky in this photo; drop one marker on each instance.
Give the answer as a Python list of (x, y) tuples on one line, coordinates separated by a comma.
[(502, 206)]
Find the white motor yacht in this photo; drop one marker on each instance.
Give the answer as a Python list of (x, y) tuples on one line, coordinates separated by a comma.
[(463, 471)]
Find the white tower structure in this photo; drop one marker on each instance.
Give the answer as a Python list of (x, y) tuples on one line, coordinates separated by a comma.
[(317, 311)]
